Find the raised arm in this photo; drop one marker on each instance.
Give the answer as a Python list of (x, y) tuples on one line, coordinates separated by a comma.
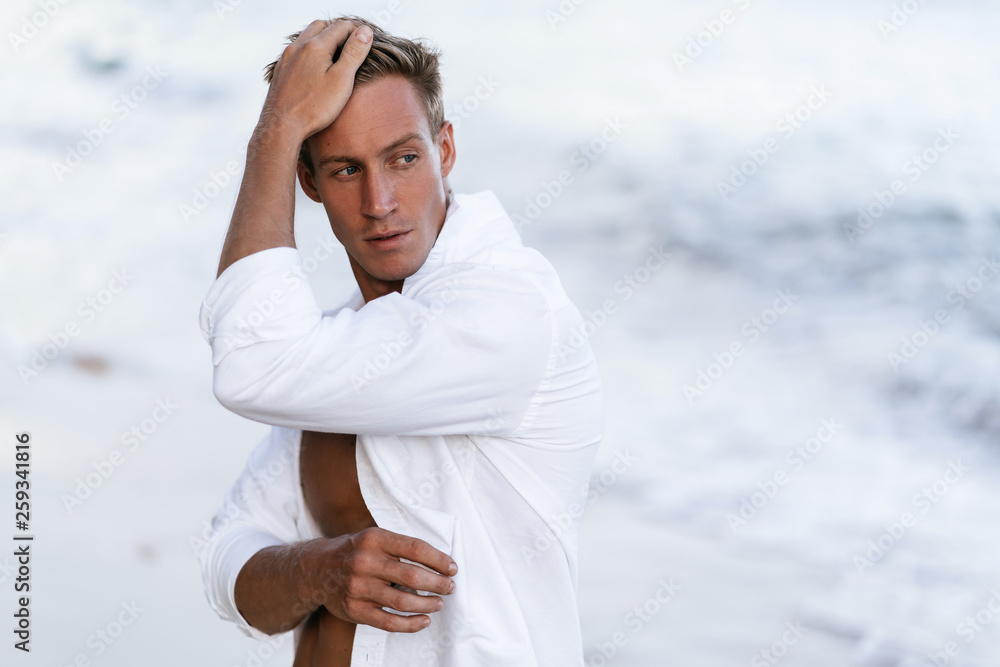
[(463, 349), (308, 91), (465, 355)]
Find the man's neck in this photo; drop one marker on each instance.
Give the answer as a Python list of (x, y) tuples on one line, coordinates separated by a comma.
[(371, 287)]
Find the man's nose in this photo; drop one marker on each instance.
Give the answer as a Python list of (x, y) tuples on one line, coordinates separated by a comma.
[(379, 197)]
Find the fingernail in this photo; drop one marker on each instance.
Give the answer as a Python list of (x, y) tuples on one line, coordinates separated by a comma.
[(451, 588), (364, 34), (440, 603), (425, 622), (453, 569)]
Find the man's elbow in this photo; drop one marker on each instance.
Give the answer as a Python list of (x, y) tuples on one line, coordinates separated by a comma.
[(267, 396), (236, 391)]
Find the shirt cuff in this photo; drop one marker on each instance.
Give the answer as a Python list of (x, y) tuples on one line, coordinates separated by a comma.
[(222, 565), (263, 296)]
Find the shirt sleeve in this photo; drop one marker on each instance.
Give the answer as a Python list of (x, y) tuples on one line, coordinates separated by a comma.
[(464, 352), (260, 510)]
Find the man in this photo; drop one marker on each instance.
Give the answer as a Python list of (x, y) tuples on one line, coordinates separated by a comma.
[(435, 434)]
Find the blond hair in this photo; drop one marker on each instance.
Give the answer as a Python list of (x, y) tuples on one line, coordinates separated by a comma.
[(413, 60)]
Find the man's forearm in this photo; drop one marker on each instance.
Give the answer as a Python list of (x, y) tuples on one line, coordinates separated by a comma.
[(274, 590), (265, 207)]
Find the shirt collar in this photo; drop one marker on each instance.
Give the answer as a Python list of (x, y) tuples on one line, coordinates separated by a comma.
[(473, 225)]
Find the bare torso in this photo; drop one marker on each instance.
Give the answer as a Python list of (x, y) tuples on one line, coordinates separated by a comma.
[(329, 477)]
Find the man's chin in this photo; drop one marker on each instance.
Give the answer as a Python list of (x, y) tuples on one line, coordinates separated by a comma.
[(387, 268), (393, 272)]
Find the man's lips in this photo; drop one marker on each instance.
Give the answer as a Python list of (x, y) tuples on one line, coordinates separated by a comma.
[(386, 234), (388, 240)]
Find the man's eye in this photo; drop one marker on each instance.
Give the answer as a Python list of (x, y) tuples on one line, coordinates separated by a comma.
[(347, 171), (407, 159)]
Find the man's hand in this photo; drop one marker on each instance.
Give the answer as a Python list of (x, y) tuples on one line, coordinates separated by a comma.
[(351, 575), (308, 90), (363, 568)]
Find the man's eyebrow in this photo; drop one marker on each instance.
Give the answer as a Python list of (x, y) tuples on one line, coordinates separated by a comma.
[(330, 159)]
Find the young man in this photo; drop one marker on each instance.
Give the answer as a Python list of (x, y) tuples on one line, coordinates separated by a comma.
[(436, 434)]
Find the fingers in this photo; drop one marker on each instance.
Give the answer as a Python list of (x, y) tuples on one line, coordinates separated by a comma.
[(298, 41), (356, 49), (333, 35), (329, 37), (313, 29), (374, 564), (307, 87), (371, 584), (411, 548), (390, 622), (354, 42), (393, 598), (417, 578)]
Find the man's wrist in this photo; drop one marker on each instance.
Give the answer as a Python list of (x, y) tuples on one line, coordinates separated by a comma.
[(276, 133), (312, 570)]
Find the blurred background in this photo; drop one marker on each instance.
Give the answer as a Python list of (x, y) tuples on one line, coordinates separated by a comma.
[(803, 412)]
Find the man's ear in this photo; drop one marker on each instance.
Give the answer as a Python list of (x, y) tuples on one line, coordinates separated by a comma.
[(307, 182), (446, 144)]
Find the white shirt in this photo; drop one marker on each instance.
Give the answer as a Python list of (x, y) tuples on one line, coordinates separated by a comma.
[(478, 408)]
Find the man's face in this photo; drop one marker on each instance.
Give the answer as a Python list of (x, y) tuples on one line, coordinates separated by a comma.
[(379, 171)]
